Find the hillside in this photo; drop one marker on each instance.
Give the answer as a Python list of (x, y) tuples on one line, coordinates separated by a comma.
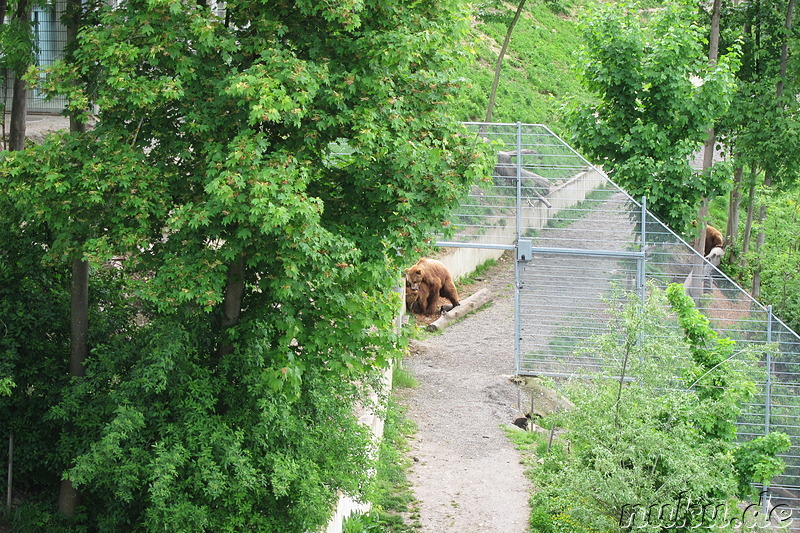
[(538, 75)]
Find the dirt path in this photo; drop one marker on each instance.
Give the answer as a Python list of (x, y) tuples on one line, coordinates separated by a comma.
[(466, 473)]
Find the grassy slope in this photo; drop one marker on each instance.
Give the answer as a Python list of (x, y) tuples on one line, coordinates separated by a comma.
[(538, 75)]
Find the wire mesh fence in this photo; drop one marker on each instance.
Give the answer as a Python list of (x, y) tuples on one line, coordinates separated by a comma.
[(580, 241), (49, 38)]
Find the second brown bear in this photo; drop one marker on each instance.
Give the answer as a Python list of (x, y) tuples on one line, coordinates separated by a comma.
[(714, 239), (431, 279)]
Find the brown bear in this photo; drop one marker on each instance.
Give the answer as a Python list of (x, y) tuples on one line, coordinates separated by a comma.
[(430, 279), (713, 239)]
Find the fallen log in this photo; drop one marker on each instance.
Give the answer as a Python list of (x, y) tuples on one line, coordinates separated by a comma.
[(466, 306)]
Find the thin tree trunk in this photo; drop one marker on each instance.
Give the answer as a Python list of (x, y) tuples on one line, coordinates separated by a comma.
[(73, 17), (762, 215), (69, 497), (79, 317), (708, 147), (734, 202), (748, 225), (697, 279), (232, 305), (19, 98), (502, 54)]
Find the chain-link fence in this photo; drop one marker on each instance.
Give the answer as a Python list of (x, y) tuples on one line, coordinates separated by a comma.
[(580, 239)]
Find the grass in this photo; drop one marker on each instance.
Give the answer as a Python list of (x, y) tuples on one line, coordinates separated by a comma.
[(538, 74), (479, 271), (394, 507)]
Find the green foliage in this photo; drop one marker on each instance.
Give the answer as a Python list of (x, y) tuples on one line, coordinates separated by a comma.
[(716, 368), (762, 129), (644, 435), (658, 96), (215, 145), (16, 42), (757, 460), (779, 258), (538, 70), (390, 491), (34, 337)]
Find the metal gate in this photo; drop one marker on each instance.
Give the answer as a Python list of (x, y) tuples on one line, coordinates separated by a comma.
[(573, 233), (578, 239)]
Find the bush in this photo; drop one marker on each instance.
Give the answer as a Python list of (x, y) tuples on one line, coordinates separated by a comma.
[(651, 441)]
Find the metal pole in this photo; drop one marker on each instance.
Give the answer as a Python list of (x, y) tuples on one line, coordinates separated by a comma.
[(517, 263), (519, 181), (768, 391), (767, 401), (641, 261)]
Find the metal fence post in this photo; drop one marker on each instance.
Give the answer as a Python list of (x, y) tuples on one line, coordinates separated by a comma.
[(767, 404), (517, 263), (768, 389), (519, 181), (640, 263)]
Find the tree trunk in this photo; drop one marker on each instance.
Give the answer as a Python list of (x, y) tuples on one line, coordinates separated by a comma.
[(760, 239), (79, 317), (708, 147), (502, 54), (232, 305), (73, 18), (762, 215), (785, 48), (734, 202), (19, 99), (748, 225), (69, 497)]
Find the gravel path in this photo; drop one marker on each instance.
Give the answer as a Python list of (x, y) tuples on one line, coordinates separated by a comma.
[(466, 473)]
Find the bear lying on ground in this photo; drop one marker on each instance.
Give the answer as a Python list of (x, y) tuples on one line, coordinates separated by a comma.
[(430, 279), (713, 239)]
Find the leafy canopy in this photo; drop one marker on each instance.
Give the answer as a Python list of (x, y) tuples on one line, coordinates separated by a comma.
[(658, 97), (310, 142)]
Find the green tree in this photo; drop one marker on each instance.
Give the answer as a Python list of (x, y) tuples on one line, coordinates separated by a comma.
[(16, 38), (659, 95), (762, 129), (259, 175)]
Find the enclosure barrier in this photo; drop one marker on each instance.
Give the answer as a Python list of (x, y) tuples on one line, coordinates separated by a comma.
[(578, 240)]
